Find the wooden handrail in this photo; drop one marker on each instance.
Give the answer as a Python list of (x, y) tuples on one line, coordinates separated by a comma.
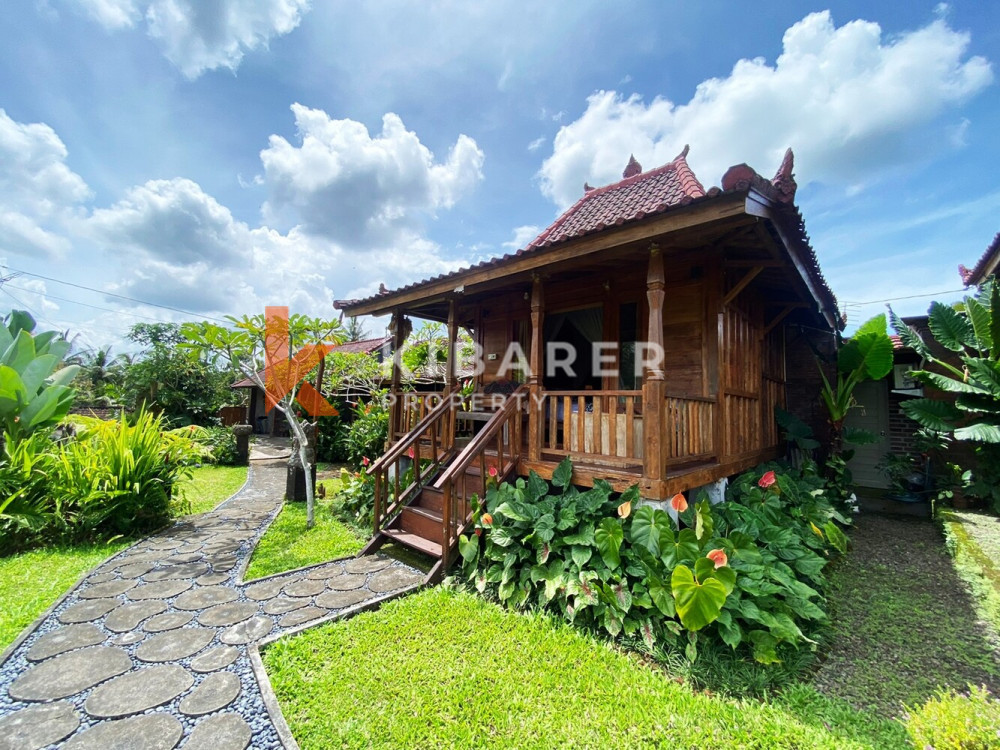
[(401, 446)]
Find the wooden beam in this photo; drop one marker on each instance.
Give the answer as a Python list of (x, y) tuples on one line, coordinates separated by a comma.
[(752, 263), (725, 206), (535, 362), (741, 285), (450, 378), (776, 319)]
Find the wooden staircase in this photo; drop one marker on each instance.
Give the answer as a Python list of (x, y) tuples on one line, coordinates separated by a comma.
[(430, 512)]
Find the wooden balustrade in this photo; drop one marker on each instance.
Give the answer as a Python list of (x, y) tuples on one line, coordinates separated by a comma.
[(601, 424), (689, 428), (741, 431), (413, 406)]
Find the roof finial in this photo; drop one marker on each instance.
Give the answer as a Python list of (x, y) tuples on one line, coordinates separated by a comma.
[(587, 187), (632, 168), (684, 152), (783, 180)]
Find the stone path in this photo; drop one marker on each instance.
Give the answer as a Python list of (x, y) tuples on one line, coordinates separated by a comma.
[(154, 648)]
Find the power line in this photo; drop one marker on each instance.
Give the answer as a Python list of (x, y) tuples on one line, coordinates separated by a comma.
[(898, 299), (82, 304), (118, 296)]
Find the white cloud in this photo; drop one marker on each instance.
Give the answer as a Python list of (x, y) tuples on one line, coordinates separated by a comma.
[(343, 184), (39, 193), (848, 102), (200, 35), (537, 143), (522, 236)]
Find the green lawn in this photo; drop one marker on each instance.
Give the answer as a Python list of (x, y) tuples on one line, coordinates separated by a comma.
[(287, 544), (447, 669), (31, 581), (974, 541), (210, 485)]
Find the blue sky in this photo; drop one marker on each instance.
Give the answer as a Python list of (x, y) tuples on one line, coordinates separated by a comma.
[(219, 155)]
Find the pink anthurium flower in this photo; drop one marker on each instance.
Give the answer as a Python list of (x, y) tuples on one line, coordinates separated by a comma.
[(679, 503), (767, 480), (718, 556), (493, 472), (365, 460)]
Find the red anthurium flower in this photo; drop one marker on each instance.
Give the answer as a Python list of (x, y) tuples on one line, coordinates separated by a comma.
[(365, 460), (487, 519), (479, 532), (493, 472), (718, 556), (679, 503), (410, 452), (767, 480), (624, 509)]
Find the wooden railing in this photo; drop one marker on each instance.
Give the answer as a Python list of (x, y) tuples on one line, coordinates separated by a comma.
[(412, 407), (496, 446), (419, 454), (604, 424), (741, 429), (774, 396), (689, 428)]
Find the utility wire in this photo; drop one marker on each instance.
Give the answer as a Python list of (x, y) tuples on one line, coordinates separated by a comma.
[(118, 296), (82, 304), (897, 299)]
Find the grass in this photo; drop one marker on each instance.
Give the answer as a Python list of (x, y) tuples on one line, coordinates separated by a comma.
[(287, 544), (31, 581), (903, 624), (974, 541), (447, 669), (210, 485)]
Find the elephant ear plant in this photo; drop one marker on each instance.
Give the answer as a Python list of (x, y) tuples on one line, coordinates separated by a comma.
[(34, 389)]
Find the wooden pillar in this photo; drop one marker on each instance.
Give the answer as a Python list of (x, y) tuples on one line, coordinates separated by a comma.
[(654, 386), (451, 374), (536, 363), (396, 407)]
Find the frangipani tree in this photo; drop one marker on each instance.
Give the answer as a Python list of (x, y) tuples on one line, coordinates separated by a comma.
[(261, 347), (972, 332)]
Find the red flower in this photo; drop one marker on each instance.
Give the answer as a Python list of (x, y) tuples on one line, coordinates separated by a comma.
[(410, 452), (718, 556), (493, 472), (365, 461), (479, 532), (487, 519), (767, 480), (679, 503)]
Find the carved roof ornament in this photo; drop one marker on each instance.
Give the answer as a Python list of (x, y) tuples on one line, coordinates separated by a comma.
[(587, 187), (632, 168), (784, 180)]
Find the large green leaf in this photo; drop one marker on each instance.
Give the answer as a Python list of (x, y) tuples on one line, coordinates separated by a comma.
[(909, 336), (837, 537), (985, 373), (649, 526), (20, 352), (703, 523), (563, 474), (683, 547), (980, 433), (37, 370), (945, 383), (698, 604), (935, 415), (859, 436), (951, 329), (661, 595), (982, 322), (609, 536), (867, 354)]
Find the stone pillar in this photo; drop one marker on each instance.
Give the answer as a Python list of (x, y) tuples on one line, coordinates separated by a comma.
[(242, 433)]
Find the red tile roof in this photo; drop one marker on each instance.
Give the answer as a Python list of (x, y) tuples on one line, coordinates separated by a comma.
[(638, 195), (986, 265)]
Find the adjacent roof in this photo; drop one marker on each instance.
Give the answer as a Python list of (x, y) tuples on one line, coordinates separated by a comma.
[(985, 267), (640, 195), (365, 346)]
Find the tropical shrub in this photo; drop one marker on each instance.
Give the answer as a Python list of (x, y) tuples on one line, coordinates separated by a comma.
[(952, 721), (355, 502), (34, 391), (214, 445), (331, 436), (366, 436), (747, 571)]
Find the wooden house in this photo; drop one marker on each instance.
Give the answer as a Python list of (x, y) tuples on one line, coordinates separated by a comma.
[(719, 280)]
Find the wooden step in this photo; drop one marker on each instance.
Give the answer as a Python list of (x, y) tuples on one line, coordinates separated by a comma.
[(413, 542), (430, 498), (422, 522)]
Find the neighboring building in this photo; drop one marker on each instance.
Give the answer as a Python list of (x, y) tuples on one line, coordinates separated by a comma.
[(723, 280), (273, 422), (985, 267)]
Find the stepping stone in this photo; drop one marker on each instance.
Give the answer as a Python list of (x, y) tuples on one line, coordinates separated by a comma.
[(102, 590), (228, 614), (165, 544), (150, 732), (136, 569), (341, 599), (215, 658), (326, 572), (68, 674), (100, 578), (346, 582), (158, 590), (202, 598), (138, 691), (222, 732), (212, 579), (128, 616), (189, 548), (37, 726), (367, 564), (168, 621), (215, 691), (300, 616), (127, 639), (264, 589), (223, 564), (174, 645), (282, 604), (252, 630), (305, 588), (88, 610), (65, 639), (140, 556), (175, 572), (391, 579), (184, 557)]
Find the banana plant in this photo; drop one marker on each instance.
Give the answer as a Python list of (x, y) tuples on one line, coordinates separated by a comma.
[(971, 331), (34, 389)]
